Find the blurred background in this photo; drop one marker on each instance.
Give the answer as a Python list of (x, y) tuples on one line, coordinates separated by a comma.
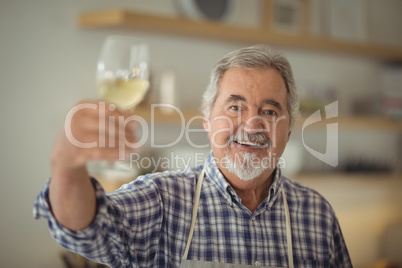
[(348, 51)]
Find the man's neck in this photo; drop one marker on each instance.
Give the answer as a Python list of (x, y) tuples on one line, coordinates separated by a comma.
[(252, 192)]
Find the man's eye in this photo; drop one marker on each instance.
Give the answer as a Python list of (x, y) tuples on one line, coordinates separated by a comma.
[(235, 108), (270, 112)]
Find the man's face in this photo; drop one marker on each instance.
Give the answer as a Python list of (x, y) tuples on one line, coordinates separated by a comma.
[(249, 121)]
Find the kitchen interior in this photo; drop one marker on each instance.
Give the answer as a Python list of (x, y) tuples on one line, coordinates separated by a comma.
[(346, 54)]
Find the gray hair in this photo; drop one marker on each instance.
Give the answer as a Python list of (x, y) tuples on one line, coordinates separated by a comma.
[(254, 57)]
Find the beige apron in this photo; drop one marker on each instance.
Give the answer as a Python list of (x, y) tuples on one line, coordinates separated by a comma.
[(204, 264)]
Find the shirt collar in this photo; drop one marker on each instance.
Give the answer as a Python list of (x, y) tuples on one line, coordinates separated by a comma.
[(215, 175)]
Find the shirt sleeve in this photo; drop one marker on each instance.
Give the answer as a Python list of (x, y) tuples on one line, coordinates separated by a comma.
[(113, 237), (340, 257)]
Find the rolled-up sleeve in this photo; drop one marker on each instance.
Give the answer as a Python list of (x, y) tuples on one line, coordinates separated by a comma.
[(83, 241), (121, 219)]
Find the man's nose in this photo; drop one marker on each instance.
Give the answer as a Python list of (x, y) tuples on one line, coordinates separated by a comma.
[(255, 123)]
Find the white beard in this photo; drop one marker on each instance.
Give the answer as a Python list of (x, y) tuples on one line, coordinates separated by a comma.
[(246, 166)]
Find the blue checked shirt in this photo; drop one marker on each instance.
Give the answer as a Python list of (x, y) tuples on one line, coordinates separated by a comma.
[(146, 224)]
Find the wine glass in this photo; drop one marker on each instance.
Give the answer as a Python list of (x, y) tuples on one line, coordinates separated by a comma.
[(123, 71), (122, 79)]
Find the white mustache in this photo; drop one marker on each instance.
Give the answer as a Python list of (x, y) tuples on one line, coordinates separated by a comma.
[(258, 140)]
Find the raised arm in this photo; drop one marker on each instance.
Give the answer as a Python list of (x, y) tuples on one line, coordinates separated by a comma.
[(71, 193)]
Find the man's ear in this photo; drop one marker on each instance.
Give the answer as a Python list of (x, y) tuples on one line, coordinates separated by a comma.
[(206, 124)]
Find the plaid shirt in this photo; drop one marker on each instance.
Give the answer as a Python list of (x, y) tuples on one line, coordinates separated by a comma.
[(146, 224)]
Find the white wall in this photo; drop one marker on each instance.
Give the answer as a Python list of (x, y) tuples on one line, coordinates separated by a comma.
[(47, 64)]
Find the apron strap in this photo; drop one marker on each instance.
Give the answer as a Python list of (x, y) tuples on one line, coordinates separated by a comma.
[(288, 230), (195, 211)]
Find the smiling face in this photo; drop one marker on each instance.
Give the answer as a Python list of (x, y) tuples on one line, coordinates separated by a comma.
[(249, 124)]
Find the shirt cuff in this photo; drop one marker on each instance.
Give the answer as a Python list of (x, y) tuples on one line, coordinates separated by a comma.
[(42, 210)]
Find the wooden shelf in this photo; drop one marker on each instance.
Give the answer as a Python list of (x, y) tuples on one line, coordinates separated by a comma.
[(372, 177), (169, 116), (358, 123), (207, 29), (345, 122), (110, 185)]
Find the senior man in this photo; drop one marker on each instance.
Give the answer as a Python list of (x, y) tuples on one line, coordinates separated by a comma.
[(236, 210)]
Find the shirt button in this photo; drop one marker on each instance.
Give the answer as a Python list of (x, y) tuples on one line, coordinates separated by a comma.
[(257, 263)]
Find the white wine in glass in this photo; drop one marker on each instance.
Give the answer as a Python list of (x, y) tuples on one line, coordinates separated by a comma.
[(123, 80), (124, 93), (123, 71)]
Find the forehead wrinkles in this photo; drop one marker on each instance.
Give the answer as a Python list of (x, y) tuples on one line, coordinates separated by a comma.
[(256, 80)]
